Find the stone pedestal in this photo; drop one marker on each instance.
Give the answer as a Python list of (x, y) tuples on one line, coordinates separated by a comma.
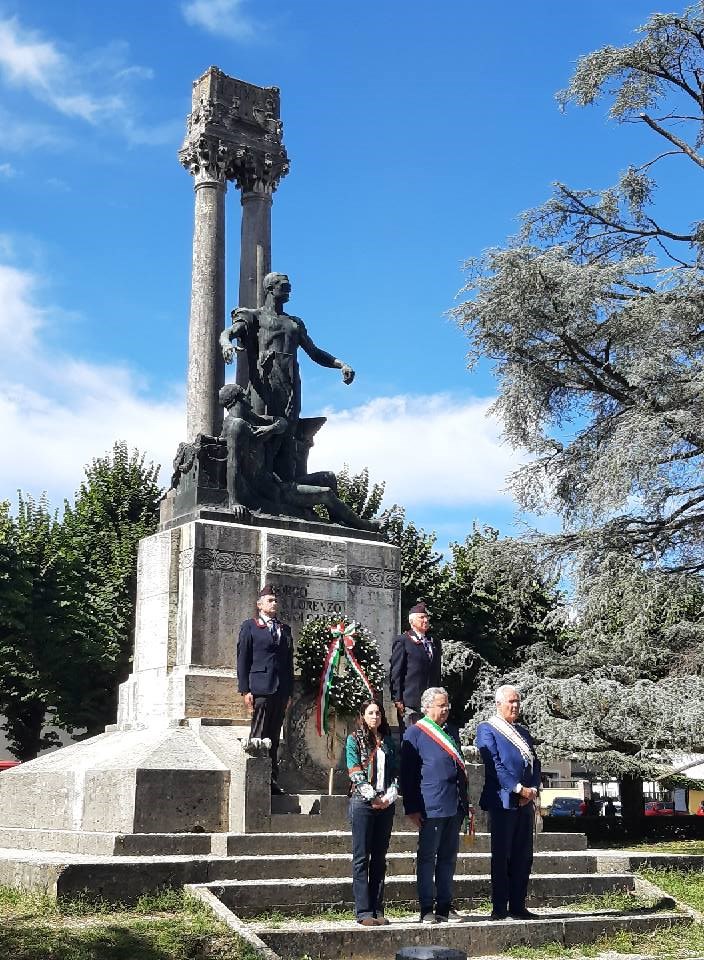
[(199, 581)]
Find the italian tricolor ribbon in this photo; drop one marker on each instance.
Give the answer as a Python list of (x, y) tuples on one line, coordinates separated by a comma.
[(342, 643), (444, 740)]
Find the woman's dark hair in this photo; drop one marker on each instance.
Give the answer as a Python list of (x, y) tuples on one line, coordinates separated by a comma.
[(383, 729)]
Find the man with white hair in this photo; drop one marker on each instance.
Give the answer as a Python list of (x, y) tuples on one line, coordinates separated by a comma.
[(434, 787), (511, 783), (415, 666)]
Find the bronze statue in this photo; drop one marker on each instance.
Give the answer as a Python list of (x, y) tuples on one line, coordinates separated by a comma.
[(252, 483), (271, 339)]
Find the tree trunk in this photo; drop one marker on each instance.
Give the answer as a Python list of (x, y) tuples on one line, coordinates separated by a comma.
[(631, 799), (24, 727)]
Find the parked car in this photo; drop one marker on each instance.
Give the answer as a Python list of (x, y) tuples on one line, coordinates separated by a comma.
[(564, 807), (6, 764), (659, 808)]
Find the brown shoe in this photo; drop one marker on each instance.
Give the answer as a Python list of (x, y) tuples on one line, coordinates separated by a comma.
[(368, 921)]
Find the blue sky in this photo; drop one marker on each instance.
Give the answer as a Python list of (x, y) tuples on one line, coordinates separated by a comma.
[(417, 134)]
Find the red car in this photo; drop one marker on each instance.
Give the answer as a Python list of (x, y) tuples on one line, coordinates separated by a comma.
[(660, 808), (6, 764)]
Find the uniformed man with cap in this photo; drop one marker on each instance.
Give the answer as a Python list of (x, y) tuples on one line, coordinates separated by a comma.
[(265, 673), (415, 666)]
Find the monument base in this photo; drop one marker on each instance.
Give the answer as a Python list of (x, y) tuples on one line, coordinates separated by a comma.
[(192, 778), (176, 760)]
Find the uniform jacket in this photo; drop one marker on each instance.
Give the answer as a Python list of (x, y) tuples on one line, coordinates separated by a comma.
[(504, 767), (431, 781), (412, 671), (263, 665)]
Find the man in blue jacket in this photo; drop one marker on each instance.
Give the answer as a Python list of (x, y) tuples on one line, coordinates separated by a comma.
[(511, 784), (434, 787), (265, 673)]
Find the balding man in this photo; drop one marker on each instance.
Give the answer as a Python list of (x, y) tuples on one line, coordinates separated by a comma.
[(415, 666), (511, 783)]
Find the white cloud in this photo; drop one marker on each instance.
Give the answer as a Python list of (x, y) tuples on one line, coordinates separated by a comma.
[(432, 450), (7, 170), (57, 413), (223, 17), (95, 87)]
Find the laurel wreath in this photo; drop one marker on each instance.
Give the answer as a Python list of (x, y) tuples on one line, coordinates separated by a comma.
[(347, 691)]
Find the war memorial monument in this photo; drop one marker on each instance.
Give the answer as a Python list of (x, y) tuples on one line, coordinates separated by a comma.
[(240, 513), (174, 793)]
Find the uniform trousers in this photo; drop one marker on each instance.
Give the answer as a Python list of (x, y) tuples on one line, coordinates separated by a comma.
[(267, 718), (511, 857)]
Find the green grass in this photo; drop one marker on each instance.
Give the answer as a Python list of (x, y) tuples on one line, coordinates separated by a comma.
[(684, 885), (693, 847), (164, 926), (616, 901), (667, 944)]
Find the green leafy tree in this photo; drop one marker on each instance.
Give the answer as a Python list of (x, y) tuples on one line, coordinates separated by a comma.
[(595, 317), (422, 575), (36, 642), (618, 689), (498, 602), (116, 505)]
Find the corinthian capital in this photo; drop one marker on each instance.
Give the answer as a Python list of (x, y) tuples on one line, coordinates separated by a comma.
[(206, 159), (257, 171)]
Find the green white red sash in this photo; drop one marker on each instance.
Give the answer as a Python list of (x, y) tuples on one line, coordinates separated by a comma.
[(444, 740), (342, 643)]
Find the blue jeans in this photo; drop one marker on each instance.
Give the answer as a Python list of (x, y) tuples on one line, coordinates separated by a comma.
[(371, 831), (438, 843)]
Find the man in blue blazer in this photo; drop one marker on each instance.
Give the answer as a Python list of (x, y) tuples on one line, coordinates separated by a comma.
[(511, 784), (415, 666), (265, 673), (434, 787)]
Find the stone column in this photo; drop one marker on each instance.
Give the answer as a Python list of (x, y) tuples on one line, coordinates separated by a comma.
[(255, 256), (233, 132), (206, 161)]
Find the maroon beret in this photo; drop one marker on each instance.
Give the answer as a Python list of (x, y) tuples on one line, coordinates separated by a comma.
[(419, 608), (267, 591)]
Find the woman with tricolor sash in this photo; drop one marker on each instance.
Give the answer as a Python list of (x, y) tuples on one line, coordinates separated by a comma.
[(372, 763)]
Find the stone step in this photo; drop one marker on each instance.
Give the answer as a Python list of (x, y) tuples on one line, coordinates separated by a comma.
[(202, 844), (249, 898), (340, 841), (475, 937), (258, 867)]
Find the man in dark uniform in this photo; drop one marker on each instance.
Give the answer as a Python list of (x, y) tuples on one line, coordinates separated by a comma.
[(415, 666), (265, 673)]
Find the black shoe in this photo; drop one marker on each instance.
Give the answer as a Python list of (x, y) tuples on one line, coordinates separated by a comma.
[(497, 916), (276, 790), (523, 915)]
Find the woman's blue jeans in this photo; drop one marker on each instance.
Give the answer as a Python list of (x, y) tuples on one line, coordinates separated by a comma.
[(371, 831), (438, 844)]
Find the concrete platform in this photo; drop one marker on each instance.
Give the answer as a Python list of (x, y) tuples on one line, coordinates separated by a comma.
[(476, 936), (103, 843), (279, 866), (249, 898), (330, 841)]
